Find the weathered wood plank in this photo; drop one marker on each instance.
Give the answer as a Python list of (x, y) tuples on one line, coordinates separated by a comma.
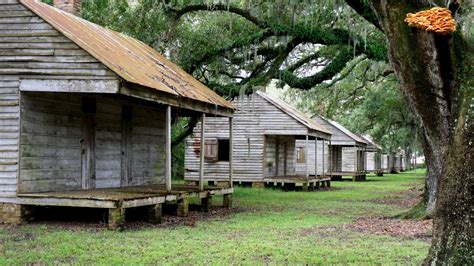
[(92, 86)]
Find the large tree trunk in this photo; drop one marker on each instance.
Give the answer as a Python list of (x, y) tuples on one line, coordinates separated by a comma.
[(437, 83)]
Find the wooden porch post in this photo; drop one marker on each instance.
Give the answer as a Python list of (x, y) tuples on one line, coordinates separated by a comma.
[(323, 158), (355, 159), (316, 158), (168, 150), (231, 150), (306, 157), (202, 152), (330, 157)]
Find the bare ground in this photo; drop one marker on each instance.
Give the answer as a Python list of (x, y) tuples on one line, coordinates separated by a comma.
[(416, 229)]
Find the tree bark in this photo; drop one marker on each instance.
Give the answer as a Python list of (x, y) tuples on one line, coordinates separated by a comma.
[(431, 180), (435, 74)]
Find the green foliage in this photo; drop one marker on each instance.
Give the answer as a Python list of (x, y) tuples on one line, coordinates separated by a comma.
[(367, 102), (241, 44), (178, 150), (266, 227)]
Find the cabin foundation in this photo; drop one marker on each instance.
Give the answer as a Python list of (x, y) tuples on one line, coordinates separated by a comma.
[(183, 207), (155, 213), (116, 219), (12, 213), (227, 201), (205, 204)]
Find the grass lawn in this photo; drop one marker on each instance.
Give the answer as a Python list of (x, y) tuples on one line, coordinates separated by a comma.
[(267, 226)]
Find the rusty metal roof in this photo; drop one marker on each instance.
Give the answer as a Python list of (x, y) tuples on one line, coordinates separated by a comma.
[(129, 58), (296, 114)]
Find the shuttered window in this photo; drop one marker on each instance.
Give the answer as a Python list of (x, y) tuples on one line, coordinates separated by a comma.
[(300, 155), (211, 150)]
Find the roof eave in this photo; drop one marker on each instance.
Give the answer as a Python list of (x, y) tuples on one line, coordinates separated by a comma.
[(146, 93)]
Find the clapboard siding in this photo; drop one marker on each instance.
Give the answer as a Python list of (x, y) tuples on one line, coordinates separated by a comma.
[(148, 146), (385, 158), (30, 46), (108, 143), (9, 134), (370, 161), (373, 161), (50, 142), (301, 167), (52, 131), (254, 151)]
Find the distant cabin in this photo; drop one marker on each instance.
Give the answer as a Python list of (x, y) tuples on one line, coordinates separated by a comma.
[(399, 161), (386, 162), (84, 109), (266, 131), (346, 150), (373, 157)]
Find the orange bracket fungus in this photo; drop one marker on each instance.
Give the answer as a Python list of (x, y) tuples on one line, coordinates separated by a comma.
[(437, 19)]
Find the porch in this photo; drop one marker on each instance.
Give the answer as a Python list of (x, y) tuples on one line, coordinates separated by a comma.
[(348, 161), (117, 200), (309, 183)]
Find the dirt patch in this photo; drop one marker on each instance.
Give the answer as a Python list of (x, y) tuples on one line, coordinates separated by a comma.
[(215, 213), (169, 220), (406, 199), (416, 229)]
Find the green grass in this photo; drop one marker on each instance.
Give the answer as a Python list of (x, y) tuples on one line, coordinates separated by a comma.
[(270, 226)]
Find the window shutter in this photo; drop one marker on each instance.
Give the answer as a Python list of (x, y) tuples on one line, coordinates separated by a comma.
[(301, 156), (211, 148)]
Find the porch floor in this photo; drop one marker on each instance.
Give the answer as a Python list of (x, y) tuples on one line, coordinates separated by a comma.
[(120, 197), (296, 179), (349, 173)]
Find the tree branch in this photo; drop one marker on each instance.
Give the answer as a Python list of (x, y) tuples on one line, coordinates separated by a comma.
[(188, 131), (332, 69), (220, 7), (363, 9)]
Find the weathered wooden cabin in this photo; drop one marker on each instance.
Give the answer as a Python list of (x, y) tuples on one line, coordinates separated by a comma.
[(373, 157), (346, 151), (266, 130), (86, 114), (400, 161)]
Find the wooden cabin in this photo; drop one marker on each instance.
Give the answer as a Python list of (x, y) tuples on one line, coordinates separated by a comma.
[(266, 132), (346, 151), (400, 161), (373, 157), (86, 117)]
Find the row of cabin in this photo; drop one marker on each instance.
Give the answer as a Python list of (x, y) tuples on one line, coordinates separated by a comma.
[(85, 108), (273, 141)]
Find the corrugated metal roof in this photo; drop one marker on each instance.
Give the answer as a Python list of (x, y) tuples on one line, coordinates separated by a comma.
[(129, 58), (347, 132), (291, 111)]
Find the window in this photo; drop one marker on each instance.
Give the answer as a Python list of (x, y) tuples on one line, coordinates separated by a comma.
[(300, 155), (223, 150), (217, 150)]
